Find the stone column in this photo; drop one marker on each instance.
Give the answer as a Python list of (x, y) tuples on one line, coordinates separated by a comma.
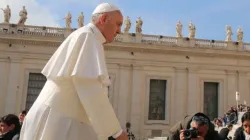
[(231, 88), (123, 95), (243, 85), (193, 91), (138, 84), (3, 85), (13, 86), (180, 93)]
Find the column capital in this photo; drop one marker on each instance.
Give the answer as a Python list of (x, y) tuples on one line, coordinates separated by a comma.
[(242, 73), (180, 69), (192, 70), (15, 59), (125, 66), (137, 67), (231, 72)]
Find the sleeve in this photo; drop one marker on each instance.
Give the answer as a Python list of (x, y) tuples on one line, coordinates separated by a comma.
[(97, 106), (175, 131), (237, 134)]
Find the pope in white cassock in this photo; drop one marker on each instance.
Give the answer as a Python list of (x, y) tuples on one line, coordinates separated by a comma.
[(73, 104)]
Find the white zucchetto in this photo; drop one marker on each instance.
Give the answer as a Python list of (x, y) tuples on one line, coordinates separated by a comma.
[(105, 7)]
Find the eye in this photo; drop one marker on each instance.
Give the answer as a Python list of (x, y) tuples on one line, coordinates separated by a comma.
[(119, 24)]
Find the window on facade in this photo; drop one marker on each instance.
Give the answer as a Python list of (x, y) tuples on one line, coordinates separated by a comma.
[(157, 99), (211, 99), (35, 85)]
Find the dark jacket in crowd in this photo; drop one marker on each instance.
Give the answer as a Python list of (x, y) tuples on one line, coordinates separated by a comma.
[(10, 136), (224, 133), (239, 134), (185, 124)]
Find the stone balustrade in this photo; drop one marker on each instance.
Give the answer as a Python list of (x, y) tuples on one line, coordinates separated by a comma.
[(35, 31), (41, 31)]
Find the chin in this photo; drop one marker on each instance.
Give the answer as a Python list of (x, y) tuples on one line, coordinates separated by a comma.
[(110, 40)]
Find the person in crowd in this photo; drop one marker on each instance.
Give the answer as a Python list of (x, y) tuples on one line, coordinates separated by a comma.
[(218, 124), (22, 116), (224, 131), (10, 127), (199, 121), (243, 132), (225, 120), (0, 128), (73, 104)]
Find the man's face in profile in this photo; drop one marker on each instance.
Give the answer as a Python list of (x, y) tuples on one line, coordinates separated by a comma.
[(21, 117)]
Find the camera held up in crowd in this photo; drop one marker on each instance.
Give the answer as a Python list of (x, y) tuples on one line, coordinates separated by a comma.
[(190, 133)]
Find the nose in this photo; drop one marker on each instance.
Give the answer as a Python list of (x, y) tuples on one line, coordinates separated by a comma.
[(118, 32)]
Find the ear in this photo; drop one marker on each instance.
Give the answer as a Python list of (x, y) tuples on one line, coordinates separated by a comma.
[(104, 18), (12, 127)]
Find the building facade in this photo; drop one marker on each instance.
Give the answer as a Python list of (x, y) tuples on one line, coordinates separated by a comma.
[(156, 80)]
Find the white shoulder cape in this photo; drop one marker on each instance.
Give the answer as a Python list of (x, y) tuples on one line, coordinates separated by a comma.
[(80, 55)]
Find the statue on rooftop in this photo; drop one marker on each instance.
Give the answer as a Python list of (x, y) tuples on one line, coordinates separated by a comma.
[(229, 33), (239, 35), (7, 14), (80, 20), (68, 20), (127, 23), (139, 24), (23, 16), (179, 29), (192, 29)]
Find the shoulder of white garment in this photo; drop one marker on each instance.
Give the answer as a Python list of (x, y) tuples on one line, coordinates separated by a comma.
[(80, 55)]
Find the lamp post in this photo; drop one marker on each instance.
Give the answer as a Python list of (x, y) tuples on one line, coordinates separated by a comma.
[(237, 99), (131, 136)]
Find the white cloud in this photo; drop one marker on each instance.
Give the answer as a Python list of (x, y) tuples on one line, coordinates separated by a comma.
[(37, 14), (89, 2)]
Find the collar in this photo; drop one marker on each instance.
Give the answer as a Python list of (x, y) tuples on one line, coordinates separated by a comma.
[(97, 32)]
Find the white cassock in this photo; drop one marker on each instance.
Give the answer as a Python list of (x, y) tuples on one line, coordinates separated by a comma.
[(73, 104)]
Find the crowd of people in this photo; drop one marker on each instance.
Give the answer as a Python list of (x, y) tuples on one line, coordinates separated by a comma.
[(231, 116), (199, 127), (10, 126)]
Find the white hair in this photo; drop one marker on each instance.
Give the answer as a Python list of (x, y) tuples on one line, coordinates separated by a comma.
[(95, 17)]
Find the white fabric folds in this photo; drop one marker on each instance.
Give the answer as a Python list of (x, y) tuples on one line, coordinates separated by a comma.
[(73, 105), (80, 55)]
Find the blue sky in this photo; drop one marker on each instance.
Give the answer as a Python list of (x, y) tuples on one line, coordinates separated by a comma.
[(160, 16)]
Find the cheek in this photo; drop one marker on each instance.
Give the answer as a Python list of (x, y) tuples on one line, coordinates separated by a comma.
[(4, 129), (247, 130), (203, 130)]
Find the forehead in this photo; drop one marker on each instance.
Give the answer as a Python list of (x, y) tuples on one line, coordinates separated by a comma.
[(246, 122), (2, 124), (119, 16), (197, 125)]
